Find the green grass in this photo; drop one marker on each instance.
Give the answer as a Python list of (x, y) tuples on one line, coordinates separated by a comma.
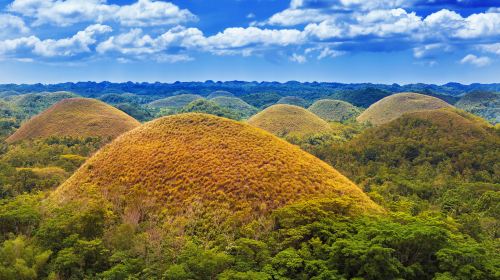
[(334, 110)]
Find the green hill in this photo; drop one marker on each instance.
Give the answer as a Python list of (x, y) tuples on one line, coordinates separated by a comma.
[(220, 93), (176, 101), (482, 103), (294, 100), (34, 103), (243, 109), (334, 110)]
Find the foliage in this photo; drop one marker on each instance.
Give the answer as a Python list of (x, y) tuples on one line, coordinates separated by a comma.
[(236, 105), (220, 93), (175, 102), (294, 100), (334, 110), (209, 107), (482, 103)]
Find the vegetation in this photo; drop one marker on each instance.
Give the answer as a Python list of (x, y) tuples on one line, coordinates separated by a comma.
[(210, 107), (76, 117), (334, 110), (175, 102), (294, 100), (394, 106), (220, 93), (283, 120), (262, 100), (482, 103), (236, 105), (32, 104)]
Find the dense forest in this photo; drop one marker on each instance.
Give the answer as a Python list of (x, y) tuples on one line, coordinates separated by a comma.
[(436, 175)]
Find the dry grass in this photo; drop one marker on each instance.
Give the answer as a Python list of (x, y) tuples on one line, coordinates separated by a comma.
[(283, 120), (175, 102), (76, 117), (334, 110), (186, 161), (394, 106)]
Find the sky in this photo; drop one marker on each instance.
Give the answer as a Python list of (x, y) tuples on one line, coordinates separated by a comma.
[(350, 41)]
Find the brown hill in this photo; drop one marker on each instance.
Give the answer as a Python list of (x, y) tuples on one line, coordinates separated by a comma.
[(210, 167), (283, 120), (76, 117), (394, 106)]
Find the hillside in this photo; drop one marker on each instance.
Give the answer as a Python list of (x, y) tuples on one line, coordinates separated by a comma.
[(283, 120), (394, 106), (76, 117), (34, 103), (294, 100), (243, 109), (482, 103), (206, 106), (334, 110), (176, 101), (204, 163), (220, 93)]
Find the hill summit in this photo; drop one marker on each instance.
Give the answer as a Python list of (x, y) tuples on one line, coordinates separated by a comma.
[(76, 117), (198, 164), (394, 106), (334, 110), (284, 119)]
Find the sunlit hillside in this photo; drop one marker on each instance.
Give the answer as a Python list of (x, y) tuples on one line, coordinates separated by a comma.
[(334, 110)]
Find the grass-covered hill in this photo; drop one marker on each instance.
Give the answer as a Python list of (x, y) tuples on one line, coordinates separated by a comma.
[(176, 101), (283, 120), (482, 103), (76, 117), (198, 166), (394, 106), (294, 100), (243, 109), (334, 110), (220, 93), (34, 103), (206, 106)]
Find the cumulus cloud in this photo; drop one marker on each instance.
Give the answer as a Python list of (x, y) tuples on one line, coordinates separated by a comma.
[(475, 60), (11, 25), (298, 58), (491, 48), (77, 44), (69, 12)]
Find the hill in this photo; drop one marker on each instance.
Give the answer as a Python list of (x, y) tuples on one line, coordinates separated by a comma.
[(220, 93), (197, 165), (243, 109), (76, 117), (294, 100), (283, 120), (176, 101), (394, 106), (482, 103), (34, 103), (209, 107), (334, 110)]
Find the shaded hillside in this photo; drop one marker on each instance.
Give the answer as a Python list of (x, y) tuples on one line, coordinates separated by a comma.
[(283, 120), (261, 99), (243, 109), (175, 102), (294, 100), (482, 103), (360, 97), (76, 117), (198, 166), (32, 104), (394, 106), (334, 110)]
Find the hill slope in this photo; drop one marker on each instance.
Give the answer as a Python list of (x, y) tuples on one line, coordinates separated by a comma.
[(334, 110), (220, 93), (176, 101), (283, 120), (482, 103), (218, 166), (396, 105), (76, 117)]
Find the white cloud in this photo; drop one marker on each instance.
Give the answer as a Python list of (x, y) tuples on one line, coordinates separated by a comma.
[(431, 50), (69, 12), (77, 44), (327, 52), (475, 60), (298, 58), (491, 48), (290, 17), (11, 25)]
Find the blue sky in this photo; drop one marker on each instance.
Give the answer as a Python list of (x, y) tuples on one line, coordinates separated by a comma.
[(382, 41)]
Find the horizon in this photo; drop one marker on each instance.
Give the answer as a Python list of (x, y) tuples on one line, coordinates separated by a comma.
[(380, 41)]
